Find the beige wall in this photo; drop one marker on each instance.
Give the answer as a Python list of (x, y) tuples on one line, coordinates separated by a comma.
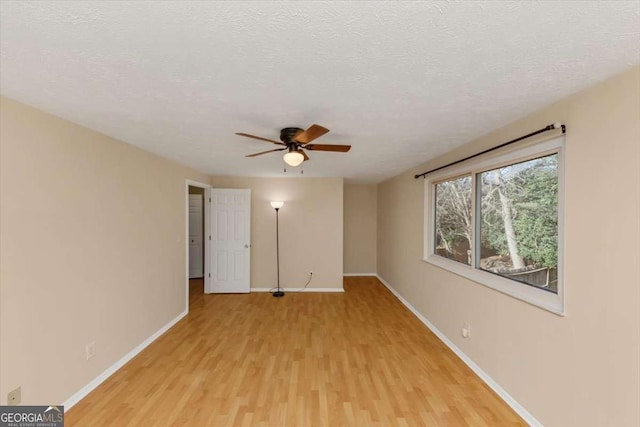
[(310, 230), (582, 369), (92, 249), (360, 219)]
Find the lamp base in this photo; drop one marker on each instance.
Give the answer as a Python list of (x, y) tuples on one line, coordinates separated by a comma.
[(278, 294)]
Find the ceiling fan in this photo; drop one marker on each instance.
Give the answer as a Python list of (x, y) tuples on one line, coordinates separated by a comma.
[(295, 141)]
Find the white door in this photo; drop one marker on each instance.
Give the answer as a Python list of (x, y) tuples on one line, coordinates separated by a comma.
[(230, 225), (196, 233)]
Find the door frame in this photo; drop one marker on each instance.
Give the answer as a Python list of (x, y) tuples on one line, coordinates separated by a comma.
[(192, 183)]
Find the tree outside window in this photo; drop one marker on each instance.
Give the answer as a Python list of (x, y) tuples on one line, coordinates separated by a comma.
[(516, 221)]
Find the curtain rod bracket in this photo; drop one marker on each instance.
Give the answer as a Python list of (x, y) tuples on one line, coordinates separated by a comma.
[(556, 125)]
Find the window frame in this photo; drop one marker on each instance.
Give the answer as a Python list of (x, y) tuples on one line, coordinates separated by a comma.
[(538, 297)]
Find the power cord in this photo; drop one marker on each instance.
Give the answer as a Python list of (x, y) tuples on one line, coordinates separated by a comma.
[(301, 289), (306, 284)]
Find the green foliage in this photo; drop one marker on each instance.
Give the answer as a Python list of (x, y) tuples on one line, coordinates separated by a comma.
[(532, 190)]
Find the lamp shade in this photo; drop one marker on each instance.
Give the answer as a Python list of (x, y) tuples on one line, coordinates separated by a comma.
[(293, 158), (276, 205)]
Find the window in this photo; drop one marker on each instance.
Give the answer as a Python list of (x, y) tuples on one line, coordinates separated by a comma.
[(453, 219), (498, 222)]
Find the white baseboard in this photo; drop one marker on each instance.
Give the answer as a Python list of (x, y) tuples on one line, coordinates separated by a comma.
[(80, 394), (299, 289), (359, 274), (509, 400)]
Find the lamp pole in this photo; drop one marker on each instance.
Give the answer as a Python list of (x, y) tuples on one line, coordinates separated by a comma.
[(277, 205)]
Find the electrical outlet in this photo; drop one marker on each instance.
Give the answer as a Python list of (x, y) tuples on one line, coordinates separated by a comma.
[(90, 350), (466, 330), (14, 397)]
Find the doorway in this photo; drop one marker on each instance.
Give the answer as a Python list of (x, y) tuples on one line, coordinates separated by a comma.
[(196, 247), (196, 232)]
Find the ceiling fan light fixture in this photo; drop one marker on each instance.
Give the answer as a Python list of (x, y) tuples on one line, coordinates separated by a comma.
[(293, 158)]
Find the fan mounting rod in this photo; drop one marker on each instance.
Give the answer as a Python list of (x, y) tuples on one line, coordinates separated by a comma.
[(287, 135)]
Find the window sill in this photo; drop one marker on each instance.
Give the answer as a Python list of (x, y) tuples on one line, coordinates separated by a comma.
[(545, 300)]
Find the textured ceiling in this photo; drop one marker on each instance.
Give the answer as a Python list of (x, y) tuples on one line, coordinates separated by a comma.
[(401, 82)]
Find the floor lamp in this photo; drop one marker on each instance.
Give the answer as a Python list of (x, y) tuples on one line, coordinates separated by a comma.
[(277, 205)]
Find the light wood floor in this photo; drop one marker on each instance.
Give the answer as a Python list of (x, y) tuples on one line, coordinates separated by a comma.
[(353, 359)]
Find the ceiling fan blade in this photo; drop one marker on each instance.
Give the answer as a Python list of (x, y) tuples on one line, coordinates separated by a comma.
[(315, 131), (325, 147), (264, 152), (305, 155), (260, 138)]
